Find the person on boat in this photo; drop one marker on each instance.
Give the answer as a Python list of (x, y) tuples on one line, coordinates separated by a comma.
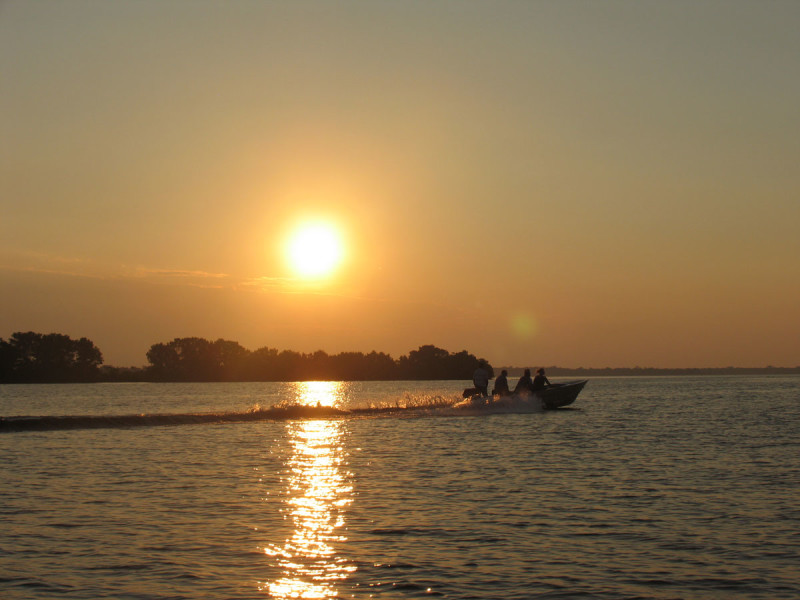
[(501, 384), (540, 381), (525, 384), (480, 379)]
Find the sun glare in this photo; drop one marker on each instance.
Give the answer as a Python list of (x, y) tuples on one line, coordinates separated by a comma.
[(315, 250)]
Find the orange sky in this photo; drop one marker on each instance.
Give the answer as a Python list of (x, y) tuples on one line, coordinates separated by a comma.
[(571, 183)]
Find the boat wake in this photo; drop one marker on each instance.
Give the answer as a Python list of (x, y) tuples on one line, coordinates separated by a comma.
[(507, 404), (273, 413), (556, 396)]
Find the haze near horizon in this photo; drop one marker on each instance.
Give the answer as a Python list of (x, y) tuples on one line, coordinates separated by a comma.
[(581, 184)]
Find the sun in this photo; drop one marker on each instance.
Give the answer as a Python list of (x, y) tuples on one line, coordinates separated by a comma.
[(314, 250)]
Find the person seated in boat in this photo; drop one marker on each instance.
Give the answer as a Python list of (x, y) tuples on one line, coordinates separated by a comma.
[(540, 381), (525, 384), (501, 384), (480, 379)]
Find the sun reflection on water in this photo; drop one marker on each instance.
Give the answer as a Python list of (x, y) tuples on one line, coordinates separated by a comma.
[(317, 490), (320, 393)]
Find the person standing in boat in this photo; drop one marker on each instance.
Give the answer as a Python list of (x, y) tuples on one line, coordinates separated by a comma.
[(540, 381), (525, 384), (480, 379), (501, 384)]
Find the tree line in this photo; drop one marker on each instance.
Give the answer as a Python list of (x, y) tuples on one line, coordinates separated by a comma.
[(28, 357), (37, 358), (197, 359), (52, 358)]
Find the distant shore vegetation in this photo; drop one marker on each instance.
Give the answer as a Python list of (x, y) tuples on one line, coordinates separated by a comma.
[(55, 358), (52, 358), (28, 357)]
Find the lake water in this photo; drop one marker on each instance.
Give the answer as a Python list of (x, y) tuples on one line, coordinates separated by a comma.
[(648, 488)]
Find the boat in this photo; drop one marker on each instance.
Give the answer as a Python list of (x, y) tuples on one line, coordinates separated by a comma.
[(556, 395), (559, 395)]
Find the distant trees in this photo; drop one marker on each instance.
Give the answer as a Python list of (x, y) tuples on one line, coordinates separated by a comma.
[(430, 362), (55, 358), (197, 359), (28, 357), (38, 358)]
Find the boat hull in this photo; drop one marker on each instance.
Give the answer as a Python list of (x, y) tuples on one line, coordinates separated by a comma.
[(560, 394)]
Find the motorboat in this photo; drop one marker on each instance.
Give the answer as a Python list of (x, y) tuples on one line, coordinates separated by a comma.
[(556, 395)]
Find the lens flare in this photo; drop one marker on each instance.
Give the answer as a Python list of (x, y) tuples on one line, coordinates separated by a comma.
[(524, 325)]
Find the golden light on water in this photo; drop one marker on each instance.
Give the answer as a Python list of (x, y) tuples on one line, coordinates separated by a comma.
[(317, 492), (320, 393)]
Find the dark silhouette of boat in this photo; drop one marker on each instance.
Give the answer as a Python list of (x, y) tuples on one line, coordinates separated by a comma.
[(556, 395)]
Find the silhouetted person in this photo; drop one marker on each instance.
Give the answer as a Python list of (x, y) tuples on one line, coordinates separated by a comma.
[(501, 384), (480, 378), (540, 381), (525, 384)]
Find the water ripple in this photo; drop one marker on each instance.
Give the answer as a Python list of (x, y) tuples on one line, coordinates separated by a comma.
[(657, 488)]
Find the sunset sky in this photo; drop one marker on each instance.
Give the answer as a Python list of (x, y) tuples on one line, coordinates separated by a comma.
[(538, 183)]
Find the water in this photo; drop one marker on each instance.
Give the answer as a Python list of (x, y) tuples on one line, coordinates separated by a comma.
[(648, 488)]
